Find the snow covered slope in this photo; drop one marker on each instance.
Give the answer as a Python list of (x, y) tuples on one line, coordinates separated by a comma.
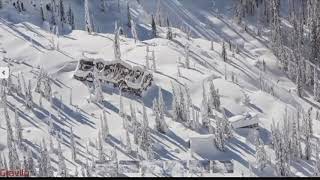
[(30, 47)]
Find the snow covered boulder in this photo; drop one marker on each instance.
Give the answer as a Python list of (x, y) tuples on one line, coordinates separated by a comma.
[(248, 120)]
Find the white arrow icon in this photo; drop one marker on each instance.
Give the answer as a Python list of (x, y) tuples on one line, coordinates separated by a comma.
[(4, 72)]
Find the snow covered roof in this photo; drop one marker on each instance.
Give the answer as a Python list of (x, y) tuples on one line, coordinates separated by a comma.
[(247, 119)]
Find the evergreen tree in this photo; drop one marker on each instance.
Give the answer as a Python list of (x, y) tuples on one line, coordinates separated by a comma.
[(128, 142), (246, 99), (105, 126), (154, 28), (128, 16), (169, 30), (100, 147), (154, 65), (261, 155), (42, 12), (116, 44), (135, 124), (281, 148), (62, 12), (145, 140), (160, 125), (44, 160), (224, 53), (316, 168), (121, 110), (88, 23), (162, 106), (187, 56), (308, 134), (73, 145), (204, 108), (226, 125), (103, 5), (31, 165), (219, 135), (14, 162), (295, 145), (188, 106), (99, 98), (18, 127), (134, 31), (62, 168), (70, 18)]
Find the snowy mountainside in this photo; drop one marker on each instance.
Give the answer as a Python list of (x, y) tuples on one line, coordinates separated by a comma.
[(30, 47)]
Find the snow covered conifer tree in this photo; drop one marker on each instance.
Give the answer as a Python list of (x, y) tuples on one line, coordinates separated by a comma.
[(114, 158), (105, 127), (224, 53), (116, 44), (147, 66), (219, 135), (169, 30), (154, 28), (128, 142), (226, 125), (70, 97), (14, 162), (41, 12), (160, 125), (204, 108), (299, 84), (18, 128), (40, 100), (154, 65), (89, 26), (179, 72), (70, 18), (134, 31), (211, 47), (31, 165), (62, 12), (44, 160), (308, 134), (246, 99), (154, 106), (73, 145), (121, 110), (316, 167), (98, 91), (28, 97), (216, 100), (175, 105), (145, 117), (162, 106), (103, 5), (51, 126), (100, 147), (128, 16), (62, 168), (145, 140), (261, 155), (19, 88), (135, 124), (295, 145), (187, 55), (182, 106)]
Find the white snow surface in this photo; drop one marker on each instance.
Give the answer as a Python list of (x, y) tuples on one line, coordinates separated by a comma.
[(29, 45)]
